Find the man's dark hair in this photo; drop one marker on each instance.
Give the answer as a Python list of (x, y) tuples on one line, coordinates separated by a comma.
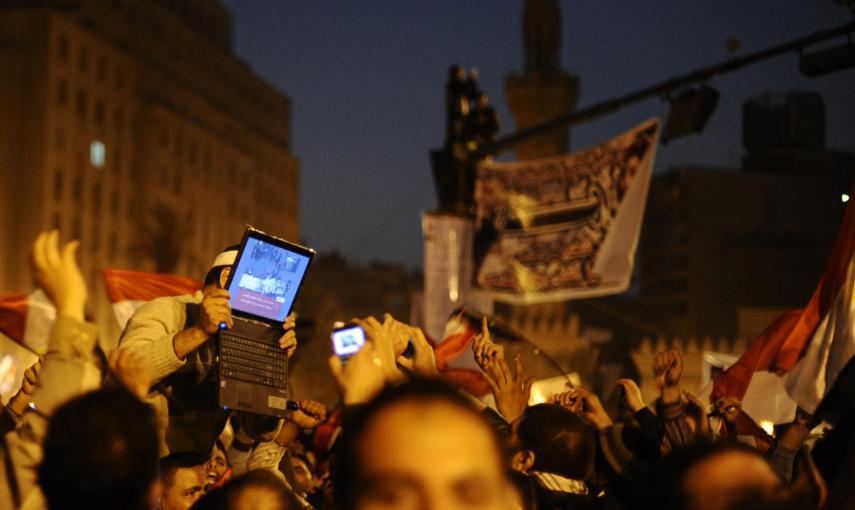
[(347, 465), (100, 452), (562, 442), (213, 276), (667, 490), (227, 496), (175, 461)]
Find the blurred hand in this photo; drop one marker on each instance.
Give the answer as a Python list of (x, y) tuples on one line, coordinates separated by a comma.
[(57, 273), (288, 341), (484, 349), (18, 402), (131, 371), (631, 394), (729, 408), (585, 404), (215, 309), (668, 367), (362, 377), (310, 415), (510, 390), (388, 345), (423, 362)]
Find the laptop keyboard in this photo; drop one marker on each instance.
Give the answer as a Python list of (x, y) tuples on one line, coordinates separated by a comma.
[(252, 361)]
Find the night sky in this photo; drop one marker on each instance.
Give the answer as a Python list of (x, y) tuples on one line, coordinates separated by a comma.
[(366, 80)]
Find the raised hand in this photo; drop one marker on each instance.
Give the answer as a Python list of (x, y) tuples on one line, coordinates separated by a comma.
[(310, 415), (631, 394), (585, 404), (288, 340), (57, 273), (668, 367), (131, 371), (485, 351), (729, 409), (511, 390), (423, 362), (18, 402)]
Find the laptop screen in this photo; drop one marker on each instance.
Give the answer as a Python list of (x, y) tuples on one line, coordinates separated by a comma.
[(265, 280)]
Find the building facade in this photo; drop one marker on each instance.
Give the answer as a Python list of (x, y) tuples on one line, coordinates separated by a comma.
[(132, 126)]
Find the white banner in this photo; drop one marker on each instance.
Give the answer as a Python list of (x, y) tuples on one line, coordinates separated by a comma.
[(565, 227)]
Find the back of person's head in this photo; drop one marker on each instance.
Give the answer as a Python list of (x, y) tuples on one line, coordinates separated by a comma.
[(710, 476), (403, 412), (100, 452), (258, 488), (561, 441)]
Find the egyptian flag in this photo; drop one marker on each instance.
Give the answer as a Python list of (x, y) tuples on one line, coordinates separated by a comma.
[(806, 348), (128, 290), (27, 318)]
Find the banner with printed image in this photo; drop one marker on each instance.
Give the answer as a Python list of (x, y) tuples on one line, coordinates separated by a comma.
[(565, 227)]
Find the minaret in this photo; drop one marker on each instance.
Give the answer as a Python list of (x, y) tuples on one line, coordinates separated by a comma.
[(544, 91)]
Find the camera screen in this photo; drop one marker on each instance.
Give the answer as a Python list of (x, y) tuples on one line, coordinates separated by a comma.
[(348, 341)]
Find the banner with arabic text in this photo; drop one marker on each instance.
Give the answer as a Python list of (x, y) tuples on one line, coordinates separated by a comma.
[(565, 227)]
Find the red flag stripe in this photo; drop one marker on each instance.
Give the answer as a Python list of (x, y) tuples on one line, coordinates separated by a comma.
[(13, 315), (143, 286), (779, 347)]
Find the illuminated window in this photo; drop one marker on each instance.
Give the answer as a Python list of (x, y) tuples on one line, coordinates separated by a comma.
[(97, 154)]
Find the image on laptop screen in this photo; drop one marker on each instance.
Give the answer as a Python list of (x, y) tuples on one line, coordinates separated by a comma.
[(266, 279)]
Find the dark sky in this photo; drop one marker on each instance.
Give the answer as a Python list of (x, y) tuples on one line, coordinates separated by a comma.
[(366, 80)]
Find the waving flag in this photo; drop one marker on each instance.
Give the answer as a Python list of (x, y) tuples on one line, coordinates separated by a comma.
[(807, 348), (128, 290), (27, 318)]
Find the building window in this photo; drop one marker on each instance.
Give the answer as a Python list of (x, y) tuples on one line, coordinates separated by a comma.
[(96, 239), (97, 154), (57, 185), (83, 59), (81, 102), (62, 47), (99, 112), (77, 188), (119, 122), (112, 245), (120, 79), (59, 138), (101, 69), (96, 198), (75, 228), (62, 91)]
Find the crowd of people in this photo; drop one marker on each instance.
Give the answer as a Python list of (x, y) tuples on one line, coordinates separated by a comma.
[(140, 428)]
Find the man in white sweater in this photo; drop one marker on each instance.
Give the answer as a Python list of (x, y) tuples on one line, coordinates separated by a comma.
[(173, 335)]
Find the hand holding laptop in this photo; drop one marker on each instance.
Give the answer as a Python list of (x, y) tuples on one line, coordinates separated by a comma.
[(288, 341), (215, 311)]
